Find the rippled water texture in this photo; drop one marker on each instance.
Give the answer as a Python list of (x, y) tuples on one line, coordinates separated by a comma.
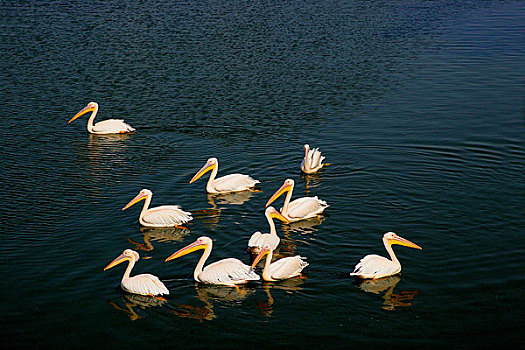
[(418, 106)]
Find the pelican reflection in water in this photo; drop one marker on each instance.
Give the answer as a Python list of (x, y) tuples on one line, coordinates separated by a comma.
[(387, 285), (133, 301), (159, 234)]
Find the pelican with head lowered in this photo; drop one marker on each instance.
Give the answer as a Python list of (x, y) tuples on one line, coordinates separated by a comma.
[(280, 269), (110, 126), (144, 284), (299, 209), (375, 266), (163, 216), (312, 161), (227, 272), (258, 239), (224, 184)]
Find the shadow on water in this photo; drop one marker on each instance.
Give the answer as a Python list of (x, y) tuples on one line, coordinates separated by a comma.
[(135, 302)]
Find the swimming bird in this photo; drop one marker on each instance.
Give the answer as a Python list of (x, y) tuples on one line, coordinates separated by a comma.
[(312, 161), (258, 239), (375, 266), (280, 269), (163, 216), (225, 184), (144, 284), (299, 209), (227, 272), (110, 126)]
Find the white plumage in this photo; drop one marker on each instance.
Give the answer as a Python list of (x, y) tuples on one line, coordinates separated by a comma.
[(144, 284), (227, 272), (312, 161), (280, 269), (301, 208), (163, 216), (225, 184), (110, 126), (375, 266), (258, 239)]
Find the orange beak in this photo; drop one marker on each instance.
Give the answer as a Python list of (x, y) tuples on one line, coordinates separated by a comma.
[(258, 258), (138, 198), (207, 167), (186, 250), (405, 242), (285, 187), (117, 261), (87, 109)]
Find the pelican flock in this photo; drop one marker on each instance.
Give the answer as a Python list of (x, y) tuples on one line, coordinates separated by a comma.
[(144, 284), (225, 184), (299, 209), (232, 272), (110, 126), (164, 216), (227, 272)]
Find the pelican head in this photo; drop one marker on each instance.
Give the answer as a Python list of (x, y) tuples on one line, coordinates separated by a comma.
[(201, 243), (286, 187), (210, 165), (273, 213), (306, 149), (91, 107), (143, 194), (127, 255), (266, 249), (392, 238)]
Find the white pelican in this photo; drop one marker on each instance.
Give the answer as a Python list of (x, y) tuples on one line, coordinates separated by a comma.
[(280, 269), (258, 239), (313, 161), (375, 266), (227, 272), (144, 284), (110, 126), (225, 184), (164, 216), (299, 209)]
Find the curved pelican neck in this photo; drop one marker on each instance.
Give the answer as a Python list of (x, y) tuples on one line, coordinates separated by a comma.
[(390, 251), (273, 231), (91, 119), (202, 260), (131, 263), (284, 210), (266, 270), (147, 202), (209, 185)]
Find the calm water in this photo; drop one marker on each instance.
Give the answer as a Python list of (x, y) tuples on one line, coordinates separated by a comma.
[(419, 106)]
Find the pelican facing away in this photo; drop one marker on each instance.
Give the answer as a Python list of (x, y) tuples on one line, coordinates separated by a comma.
[(227, 272), (144, 284), (258, 239), (164, 216), (225, 184), (280, 269), (313, 161), (298, 209), (110, 126), (375, 266)]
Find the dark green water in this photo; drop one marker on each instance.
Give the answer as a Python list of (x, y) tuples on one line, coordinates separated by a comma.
[(419, 106)]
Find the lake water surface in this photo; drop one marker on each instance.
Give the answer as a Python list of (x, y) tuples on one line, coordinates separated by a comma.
[(418, 106)]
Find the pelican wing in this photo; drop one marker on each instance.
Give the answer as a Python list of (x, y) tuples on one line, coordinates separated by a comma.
[(259, 239), (166, 215), (287, 267), (315, 158), (375, 266), (112, 126), (227, 271), (145, 284), (234, 182), (306, 207)]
